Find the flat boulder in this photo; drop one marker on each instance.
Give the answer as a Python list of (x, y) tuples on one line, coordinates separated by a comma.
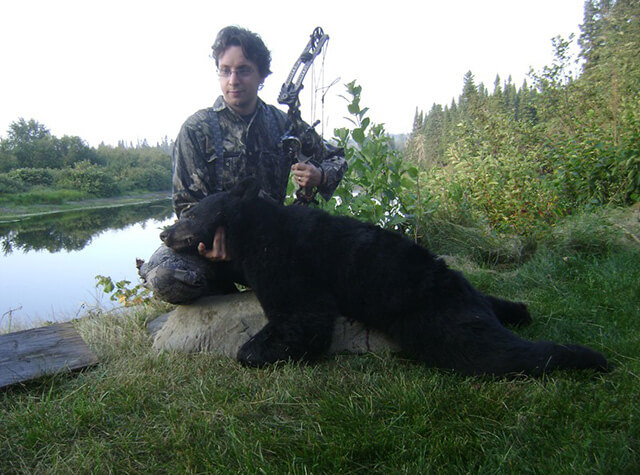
[(221, 324)]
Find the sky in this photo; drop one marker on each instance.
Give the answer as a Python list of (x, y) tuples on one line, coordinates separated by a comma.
[(136, 69)]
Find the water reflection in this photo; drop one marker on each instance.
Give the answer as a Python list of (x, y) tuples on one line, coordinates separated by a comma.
[(48, 269), (73, 230)]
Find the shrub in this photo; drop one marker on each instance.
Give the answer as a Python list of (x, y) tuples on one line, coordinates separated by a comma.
[(89, 178), (379, 187), (152, 179), (9, 184), (32, 176)]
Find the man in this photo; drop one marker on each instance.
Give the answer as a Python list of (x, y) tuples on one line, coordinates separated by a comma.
[(239, 136)]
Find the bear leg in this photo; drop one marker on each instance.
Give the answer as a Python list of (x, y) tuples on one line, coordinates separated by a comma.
[(476, 343), (545, 357), (290, 338), (509, 313)]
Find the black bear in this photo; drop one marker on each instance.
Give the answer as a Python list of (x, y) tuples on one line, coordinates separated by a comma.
[(306, 267)]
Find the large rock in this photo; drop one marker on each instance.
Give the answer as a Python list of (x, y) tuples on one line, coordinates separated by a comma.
[(222, 324)]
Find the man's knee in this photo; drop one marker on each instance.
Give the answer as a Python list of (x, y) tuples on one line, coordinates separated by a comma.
[(177, 278)]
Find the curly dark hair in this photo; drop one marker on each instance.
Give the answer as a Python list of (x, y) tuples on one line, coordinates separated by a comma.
[(252, 46)]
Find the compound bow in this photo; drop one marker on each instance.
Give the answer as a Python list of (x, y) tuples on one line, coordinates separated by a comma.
[(299, 134)]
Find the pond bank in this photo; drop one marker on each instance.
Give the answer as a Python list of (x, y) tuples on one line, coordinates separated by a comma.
[(15, 213)]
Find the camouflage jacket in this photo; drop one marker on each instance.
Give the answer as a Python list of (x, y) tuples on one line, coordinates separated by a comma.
[(248, 148)]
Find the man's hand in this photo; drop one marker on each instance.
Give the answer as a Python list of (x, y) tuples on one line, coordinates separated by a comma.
[(306, 175), (218, 251)]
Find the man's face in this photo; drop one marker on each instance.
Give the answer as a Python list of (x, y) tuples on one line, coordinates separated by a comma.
[(239, 80)]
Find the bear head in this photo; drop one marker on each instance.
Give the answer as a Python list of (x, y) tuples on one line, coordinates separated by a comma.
[(199, 223)]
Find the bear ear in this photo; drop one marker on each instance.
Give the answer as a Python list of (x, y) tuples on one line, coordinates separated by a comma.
[(246, 188)]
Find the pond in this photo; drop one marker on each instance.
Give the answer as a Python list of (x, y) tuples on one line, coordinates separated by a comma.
[(49, 264)]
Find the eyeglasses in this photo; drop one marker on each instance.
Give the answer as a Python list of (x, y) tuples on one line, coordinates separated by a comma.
[(242, 72)]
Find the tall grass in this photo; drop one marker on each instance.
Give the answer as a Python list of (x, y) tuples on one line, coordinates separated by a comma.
[(140, 412), (43, 196)]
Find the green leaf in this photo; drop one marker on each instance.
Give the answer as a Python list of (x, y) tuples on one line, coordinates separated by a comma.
[(358, 135)]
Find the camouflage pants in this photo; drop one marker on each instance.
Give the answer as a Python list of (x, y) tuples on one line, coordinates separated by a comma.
[(182, 278)]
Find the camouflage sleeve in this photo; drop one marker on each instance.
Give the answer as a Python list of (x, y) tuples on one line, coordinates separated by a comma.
[(330, 159), (189, 170), (333, 166)]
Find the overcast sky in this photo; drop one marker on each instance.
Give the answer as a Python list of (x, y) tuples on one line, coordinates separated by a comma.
[(136, 69)]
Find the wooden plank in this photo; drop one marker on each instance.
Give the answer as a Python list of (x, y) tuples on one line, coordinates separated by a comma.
[(29, 354)]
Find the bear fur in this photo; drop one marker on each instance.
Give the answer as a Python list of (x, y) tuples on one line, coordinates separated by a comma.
[(307, 267)]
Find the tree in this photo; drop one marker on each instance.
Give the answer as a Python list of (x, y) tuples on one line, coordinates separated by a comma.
[(591, 40), (21, 132), (32, 145), (73, 149), (470, 96)]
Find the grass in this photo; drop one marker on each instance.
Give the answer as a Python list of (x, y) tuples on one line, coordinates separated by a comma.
[(139, 412), (44, 196)]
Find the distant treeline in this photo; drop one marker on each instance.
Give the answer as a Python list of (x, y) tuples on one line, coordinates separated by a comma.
[(37, 167), (570, 137)]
